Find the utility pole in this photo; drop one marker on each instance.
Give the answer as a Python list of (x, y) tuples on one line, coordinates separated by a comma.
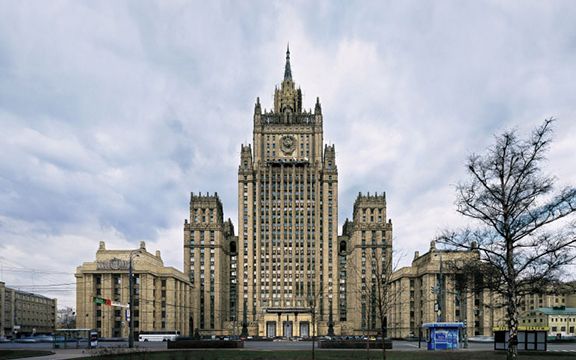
[(131, 297), (234, 326), (131, 305), (440, 309), (465, 319)]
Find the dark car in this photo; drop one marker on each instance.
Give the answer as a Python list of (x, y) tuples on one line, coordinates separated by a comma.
[(181, 338)]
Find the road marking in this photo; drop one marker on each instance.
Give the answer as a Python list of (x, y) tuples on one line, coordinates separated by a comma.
[(412, 345), (562, 350)]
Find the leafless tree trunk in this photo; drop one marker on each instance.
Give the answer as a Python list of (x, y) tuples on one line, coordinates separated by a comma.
[(313, 334), (368, 330), (382, 296), (513, 203), (313, 300), (379, 296)]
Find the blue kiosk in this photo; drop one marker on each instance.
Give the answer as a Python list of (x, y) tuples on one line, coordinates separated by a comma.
[(442, 335)]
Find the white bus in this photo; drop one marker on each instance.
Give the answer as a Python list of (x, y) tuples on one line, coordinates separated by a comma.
[(161, 335)]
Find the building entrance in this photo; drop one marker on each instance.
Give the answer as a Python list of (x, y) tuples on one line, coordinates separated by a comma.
[(288, 329), (304, 329), (271, 329)]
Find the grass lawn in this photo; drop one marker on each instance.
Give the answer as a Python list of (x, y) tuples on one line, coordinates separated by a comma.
[(330, 354), (17, 354)]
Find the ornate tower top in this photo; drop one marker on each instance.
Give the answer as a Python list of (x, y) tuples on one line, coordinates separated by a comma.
[(287, 69), (288, 133), (287, 99)]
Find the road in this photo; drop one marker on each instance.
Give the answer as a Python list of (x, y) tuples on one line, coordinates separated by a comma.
[(72, 352)]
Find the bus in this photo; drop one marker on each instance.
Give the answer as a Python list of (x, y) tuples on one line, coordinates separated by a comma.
[(161, 335)]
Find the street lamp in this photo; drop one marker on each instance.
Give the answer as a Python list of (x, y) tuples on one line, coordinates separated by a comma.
[(133, 253), (440, 309)]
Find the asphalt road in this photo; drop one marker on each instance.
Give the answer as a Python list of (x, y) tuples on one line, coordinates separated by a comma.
[(260, 345)]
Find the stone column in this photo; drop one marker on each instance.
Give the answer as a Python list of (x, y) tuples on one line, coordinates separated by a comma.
[(279, 325), (296, 330)]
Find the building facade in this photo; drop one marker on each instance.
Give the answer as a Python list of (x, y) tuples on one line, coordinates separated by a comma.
[(420, 296), (551, 297), (24, 314), (560, 320), (287, 272), (161, 294)]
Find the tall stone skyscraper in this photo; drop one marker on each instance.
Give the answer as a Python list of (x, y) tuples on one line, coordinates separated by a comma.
[(287, 269)]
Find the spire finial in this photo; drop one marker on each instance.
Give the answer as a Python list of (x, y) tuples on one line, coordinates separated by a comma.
[(287, 70)]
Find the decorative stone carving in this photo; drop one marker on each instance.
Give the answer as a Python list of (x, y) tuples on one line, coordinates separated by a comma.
[(288, 144), (114, 264)]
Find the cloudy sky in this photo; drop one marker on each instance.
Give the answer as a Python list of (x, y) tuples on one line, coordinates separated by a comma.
[(112, 112)]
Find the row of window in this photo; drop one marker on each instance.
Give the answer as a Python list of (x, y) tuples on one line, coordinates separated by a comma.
[(274, 154), (288, 232), (33, 298), (562, 328), (287, 176), (274, 137), (301, 145), (374, 234), (212, 234), (567, 319), (287, 185)]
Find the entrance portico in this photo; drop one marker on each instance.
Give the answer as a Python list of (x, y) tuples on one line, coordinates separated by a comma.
[(286, 322)]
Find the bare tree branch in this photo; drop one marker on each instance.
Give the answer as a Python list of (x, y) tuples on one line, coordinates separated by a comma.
[(514, 203)]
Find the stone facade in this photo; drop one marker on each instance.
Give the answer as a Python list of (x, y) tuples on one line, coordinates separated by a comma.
[(559, 296), (287, 271), (365, 264), (23, 313), (560, 320), (210, 262), (417, 286), (161, 294)]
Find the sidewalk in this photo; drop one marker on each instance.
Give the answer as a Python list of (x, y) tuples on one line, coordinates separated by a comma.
[(63, 354)]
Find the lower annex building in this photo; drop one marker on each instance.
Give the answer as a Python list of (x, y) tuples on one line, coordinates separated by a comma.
[(418, 297), (161, 294), (24, 314)]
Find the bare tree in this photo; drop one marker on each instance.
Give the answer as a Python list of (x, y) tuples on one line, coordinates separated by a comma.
[(380, 295), (470, 276), (376, 291), (514, 203), (314, 299)]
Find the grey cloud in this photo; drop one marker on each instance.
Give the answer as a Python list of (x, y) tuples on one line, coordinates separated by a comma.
[(111, 113)]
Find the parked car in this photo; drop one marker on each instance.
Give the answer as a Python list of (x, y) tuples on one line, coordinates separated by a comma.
[(181, 338), (44, 338), (26, 340), (481, 338)]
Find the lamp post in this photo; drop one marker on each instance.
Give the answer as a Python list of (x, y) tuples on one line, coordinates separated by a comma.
[(440, 309), (131, 304), (463, 301)]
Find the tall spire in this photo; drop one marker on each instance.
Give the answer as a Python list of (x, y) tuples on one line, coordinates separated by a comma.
[(287, 70)]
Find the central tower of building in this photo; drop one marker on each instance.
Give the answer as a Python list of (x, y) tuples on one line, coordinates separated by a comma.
[(288, 216)]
